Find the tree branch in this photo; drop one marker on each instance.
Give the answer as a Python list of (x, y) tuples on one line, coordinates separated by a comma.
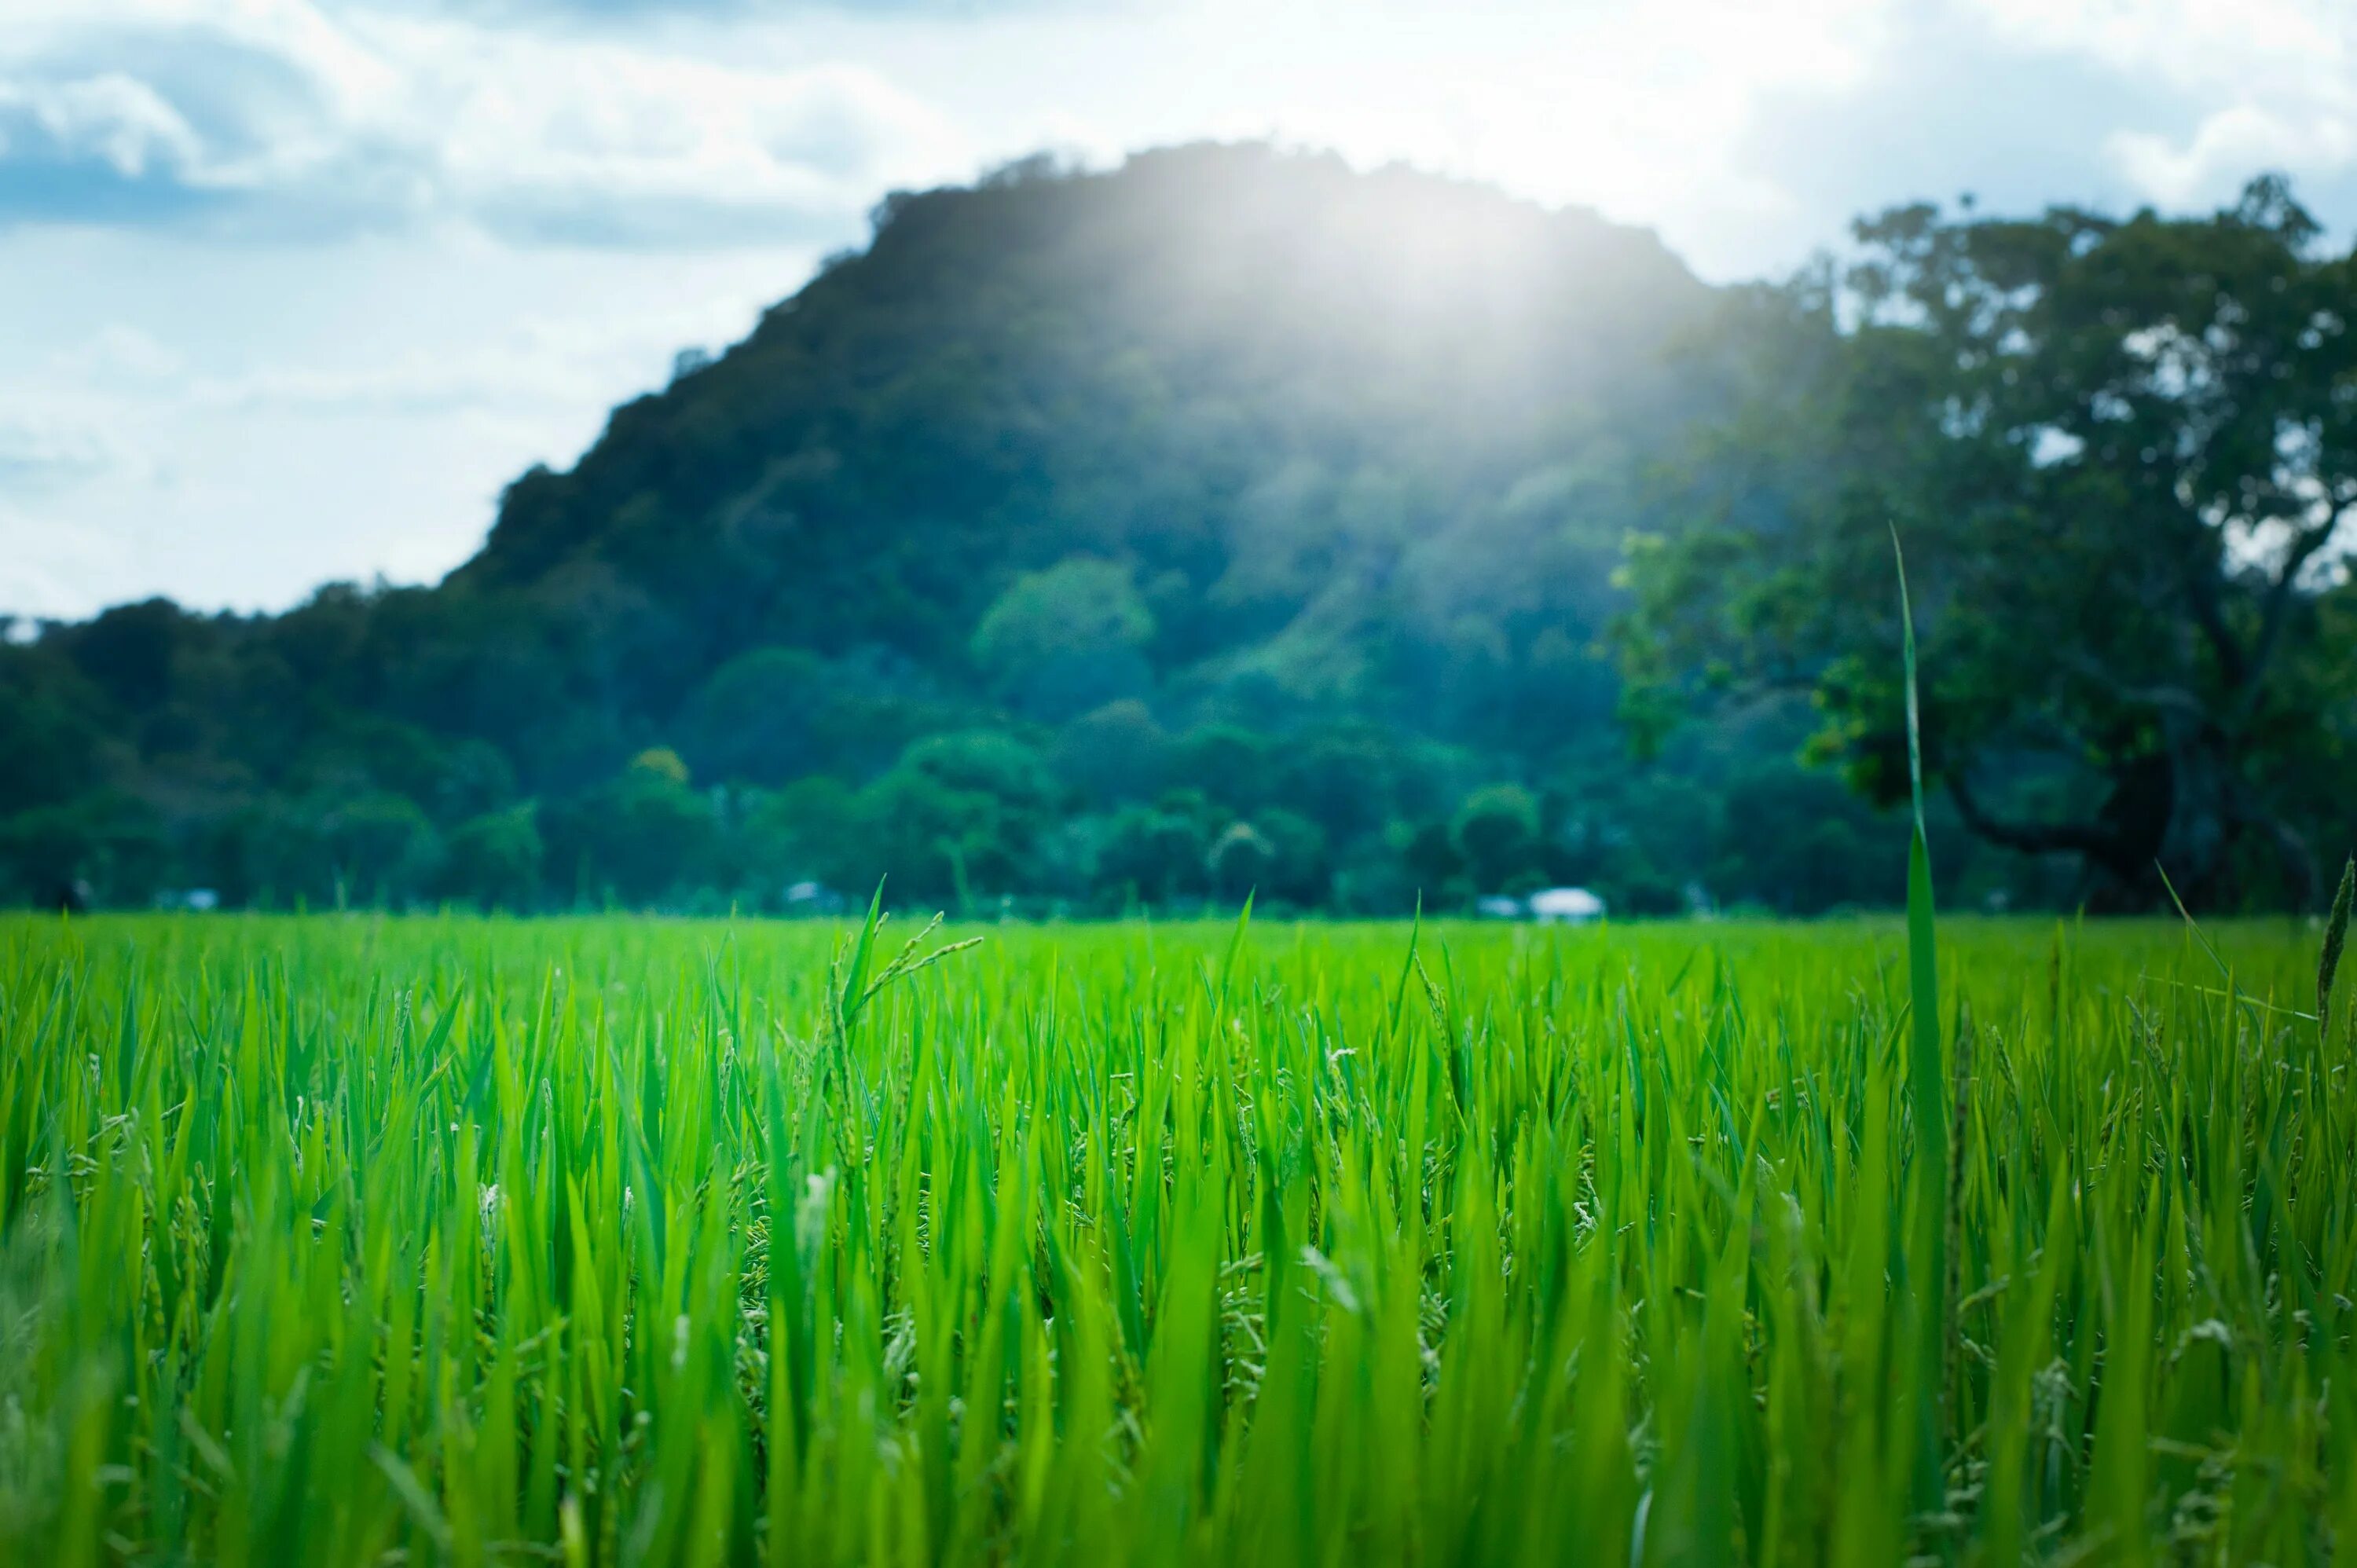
[(2167, 698), (2277, 610), (2031, 838), (2201, 592), (2298, 861)]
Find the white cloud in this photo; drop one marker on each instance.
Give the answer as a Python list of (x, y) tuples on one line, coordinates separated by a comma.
[(277, 114), (45, 566), (539, 365), (120, 122), (117, 353), (2264, 84), (2213, 43), (232, 424), (2227, 147), (586, 136), (41, 452)]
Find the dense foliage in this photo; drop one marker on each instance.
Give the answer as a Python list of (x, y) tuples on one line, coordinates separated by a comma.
[(1093, 542), (1233, 521), (2123, 454), (351, 1240)]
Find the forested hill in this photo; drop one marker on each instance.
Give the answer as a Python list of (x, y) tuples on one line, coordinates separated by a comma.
[(1232, 519), (1321, 422)]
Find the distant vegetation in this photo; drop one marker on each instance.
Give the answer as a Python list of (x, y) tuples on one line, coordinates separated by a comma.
[(2123, 457), (1236, 521)]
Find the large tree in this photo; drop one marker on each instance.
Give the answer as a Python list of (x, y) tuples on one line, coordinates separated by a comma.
[(2123, 457)]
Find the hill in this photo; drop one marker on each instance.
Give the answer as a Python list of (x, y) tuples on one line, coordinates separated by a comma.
[(1230, 519)]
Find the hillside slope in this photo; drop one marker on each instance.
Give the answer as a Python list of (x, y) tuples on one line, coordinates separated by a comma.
[(1290, 400)]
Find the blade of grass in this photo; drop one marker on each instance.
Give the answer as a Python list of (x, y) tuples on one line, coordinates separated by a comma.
[(1927, 1099)]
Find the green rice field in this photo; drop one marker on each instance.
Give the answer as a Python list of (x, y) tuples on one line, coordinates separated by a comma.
[(368, 1240)]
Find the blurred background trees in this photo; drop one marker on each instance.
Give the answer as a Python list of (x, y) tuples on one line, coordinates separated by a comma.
[(2123, 456), (1235, 522)]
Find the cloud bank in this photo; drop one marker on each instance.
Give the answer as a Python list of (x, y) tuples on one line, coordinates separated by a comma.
[(283, 118)]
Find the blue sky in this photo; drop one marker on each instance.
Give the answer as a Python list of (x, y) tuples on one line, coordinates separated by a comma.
[(289, 288)]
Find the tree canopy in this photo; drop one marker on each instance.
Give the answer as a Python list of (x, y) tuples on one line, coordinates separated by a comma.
[(2123, 456)]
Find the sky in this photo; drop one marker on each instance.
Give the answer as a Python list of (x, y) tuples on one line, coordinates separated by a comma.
[(290, 288)]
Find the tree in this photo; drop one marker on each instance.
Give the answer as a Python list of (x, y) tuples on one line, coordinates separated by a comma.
[(493, 860), (642, 835), (987, 762), (1155, 853), (754, 720), (2119, 454), (954, 818), (379, 846), (128, 652), (1117, 752), (1497, 833), (111, 844), (808, 831), (1059, 642), (1229, 766), (1300, 872), (47, 732), (1239, 861)]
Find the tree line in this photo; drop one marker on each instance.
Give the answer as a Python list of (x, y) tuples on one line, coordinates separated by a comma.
[(1235, 522)]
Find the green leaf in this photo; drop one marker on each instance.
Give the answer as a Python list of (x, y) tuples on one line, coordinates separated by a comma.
[(854, 981), (1926, 1077), (2327, 961)]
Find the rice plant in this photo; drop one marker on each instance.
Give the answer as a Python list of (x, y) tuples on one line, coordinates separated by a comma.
[(356, 1240)]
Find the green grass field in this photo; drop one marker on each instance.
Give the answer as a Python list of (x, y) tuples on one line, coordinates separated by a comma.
[(358, 1240)]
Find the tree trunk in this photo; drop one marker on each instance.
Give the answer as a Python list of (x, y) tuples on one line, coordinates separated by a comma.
[(2183, 812), (2205, 819), (2135, 820)]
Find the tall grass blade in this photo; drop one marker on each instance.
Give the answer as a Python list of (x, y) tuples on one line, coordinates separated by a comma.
[(1927, 1099), (2327, 957)]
